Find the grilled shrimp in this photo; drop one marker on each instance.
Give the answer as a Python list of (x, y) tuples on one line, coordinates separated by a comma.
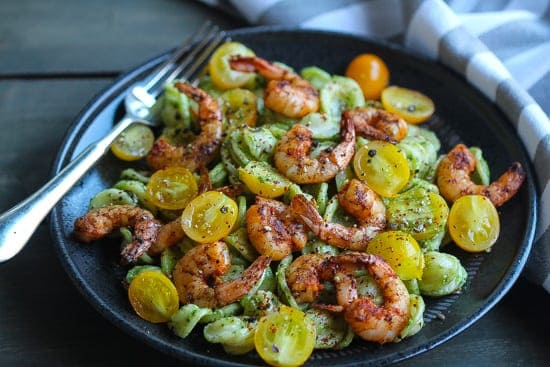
[(203, 148), (168, 235), (380, 324), (232, 190), (197, 276), (286, 93), (234, 290), (292, 155), (360, 201), (305, 276), (204, 180), (272, 230), (97, 223), (453, 178), (377, 124)]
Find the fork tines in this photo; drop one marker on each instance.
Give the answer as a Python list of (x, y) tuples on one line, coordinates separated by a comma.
[(195, 50), (198, 56)]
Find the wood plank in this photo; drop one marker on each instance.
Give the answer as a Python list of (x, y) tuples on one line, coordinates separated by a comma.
[(95, 36), (34, 117)]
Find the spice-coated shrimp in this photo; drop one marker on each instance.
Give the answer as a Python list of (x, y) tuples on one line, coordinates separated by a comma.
[(377, 124), (272, 230), (292, 155), (197, 276), (97, 223), (359, 200), (286, 92), (380, 324), (453, 178), (203, 149)]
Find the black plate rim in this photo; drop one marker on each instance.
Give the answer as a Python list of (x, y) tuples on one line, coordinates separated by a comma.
[(96, 104)]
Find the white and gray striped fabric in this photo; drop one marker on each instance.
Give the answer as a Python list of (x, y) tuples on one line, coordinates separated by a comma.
[(502, 47)]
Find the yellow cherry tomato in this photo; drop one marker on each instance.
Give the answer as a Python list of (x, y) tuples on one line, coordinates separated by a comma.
[(239, 108), (417, 211), (133, 143), (401, 251), (209, 217), (285, 338), (474, 223), (263, 180), (371, 73), (172, 188), (413, 106), (382, 166), (221, 72), (153, 296)]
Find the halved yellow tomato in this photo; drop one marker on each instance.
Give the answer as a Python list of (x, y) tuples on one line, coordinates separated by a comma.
[(263, 180), (474, 223), (413, 106), (285, 338), (417, 211), (153, 296), (209, 217), (382, 166), (221, 72), (239, 108), (172, 188), (371, 73), (401, 251), (133, 143)]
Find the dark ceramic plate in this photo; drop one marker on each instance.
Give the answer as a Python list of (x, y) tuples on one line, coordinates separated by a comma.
[(463, 115)]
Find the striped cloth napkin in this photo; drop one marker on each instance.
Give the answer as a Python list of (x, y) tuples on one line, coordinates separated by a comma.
[(502, 47)]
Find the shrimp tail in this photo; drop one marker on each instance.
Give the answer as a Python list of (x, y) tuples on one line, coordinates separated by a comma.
[(303, 210), (145, 235), (245, 64), (346, 151), (168, 235), (234, 290), (204, 180), (377, 124), (233, 190), (507, 184), (370, 132), (265, 68)]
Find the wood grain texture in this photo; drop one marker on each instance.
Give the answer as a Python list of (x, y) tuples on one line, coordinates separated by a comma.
[(34, 117), (54, 56), (58, 36)]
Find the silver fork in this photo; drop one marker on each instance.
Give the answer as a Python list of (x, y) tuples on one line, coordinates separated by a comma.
[(19, 223)]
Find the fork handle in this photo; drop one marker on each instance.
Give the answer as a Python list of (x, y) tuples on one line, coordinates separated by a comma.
[(19, 223)]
